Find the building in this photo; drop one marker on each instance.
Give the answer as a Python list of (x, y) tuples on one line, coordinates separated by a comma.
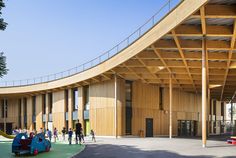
[(163, 81)]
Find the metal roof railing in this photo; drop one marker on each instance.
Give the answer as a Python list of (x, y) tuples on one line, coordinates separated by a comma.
[(162, 12)]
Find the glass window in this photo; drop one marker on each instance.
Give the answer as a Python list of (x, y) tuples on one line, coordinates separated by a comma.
[(75, 99), (34, 105), (161, 98), (2, 101), (214, 107), (19, 113), (3, 108), (86, 97), (6, 110), (66, 100), (50, 101), (222, 108), (25, 106), (44, 103)]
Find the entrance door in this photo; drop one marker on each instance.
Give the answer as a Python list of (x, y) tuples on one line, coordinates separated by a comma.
[(187, 128), (8, 127), (149, 127)]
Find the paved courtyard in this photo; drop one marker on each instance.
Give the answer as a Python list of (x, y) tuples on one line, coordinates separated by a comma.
[(157, 148)]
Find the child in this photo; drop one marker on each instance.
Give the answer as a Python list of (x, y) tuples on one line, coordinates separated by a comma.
[(55, 134), (63, 133), (82, 135), (49, 134), (93, 135), (70, 133)]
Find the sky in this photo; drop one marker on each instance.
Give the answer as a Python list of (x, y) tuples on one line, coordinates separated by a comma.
[(49, 36)]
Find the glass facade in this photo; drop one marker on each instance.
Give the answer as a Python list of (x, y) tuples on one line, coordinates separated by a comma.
[(187, 128), (128, 107)]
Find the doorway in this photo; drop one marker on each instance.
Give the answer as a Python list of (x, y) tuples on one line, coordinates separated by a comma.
[(149, 127), (8, 128), (87, 128), (187, 128)]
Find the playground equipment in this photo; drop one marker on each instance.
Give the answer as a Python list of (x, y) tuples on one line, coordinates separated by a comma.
[(6, 135), (22, 144)]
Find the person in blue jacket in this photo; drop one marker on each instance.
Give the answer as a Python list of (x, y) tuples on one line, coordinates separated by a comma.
[(49, 134), (70, 133)]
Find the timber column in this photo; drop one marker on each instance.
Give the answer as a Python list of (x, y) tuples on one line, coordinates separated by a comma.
[(115, 105), (204, 92), (171, 101)]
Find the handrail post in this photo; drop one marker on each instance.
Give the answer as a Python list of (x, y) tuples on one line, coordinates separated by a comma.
[(169, 4), (117, 48), (153, 22)]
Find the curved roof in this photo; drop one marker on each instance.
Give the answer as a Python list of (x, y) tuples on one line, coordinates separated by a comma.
[(173, 46)]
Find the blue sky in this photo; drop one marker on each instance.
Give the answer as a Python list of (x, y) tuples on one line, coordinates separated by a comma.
[(49, 36)]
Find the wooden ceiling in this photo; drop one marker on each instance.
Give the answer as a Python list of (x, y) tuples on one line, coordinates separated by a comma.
[(180, 52)]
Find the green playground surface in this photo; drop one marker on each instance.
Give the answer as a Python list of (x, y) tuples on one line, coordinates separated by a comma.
[(58, 150)]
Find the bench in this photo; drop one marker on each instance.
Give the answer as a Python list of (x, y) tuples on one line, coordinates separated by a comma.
[(231, 141)]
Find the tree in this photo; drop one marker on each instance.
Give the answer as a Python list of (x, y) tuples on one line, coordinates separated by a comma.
[(2, 23), (3, 68)]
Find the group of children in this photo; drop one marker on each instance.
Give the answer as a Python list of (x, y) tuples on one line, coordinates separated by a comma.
[(70, 134)]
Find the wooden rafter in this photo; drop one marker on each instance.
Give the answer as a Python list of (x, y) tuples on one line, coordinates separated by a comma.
[(138, 76), (183, 58), (218, 11), (105, 76), (232, 45), (95, 79), (154, 75), (114, 72), (203, 20), (164, 63)]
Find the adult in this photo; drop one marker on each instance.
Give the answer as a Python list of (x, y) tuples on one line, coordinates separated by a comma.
[(78, 127)]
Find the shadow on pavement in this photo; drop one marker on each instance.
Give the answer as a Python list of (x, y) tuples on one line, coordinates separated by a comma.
[(125, 151)]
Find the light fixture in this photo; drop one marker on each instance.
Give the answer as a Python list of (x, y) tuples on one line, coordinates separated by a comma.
[(232, 65), (214, 85)]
